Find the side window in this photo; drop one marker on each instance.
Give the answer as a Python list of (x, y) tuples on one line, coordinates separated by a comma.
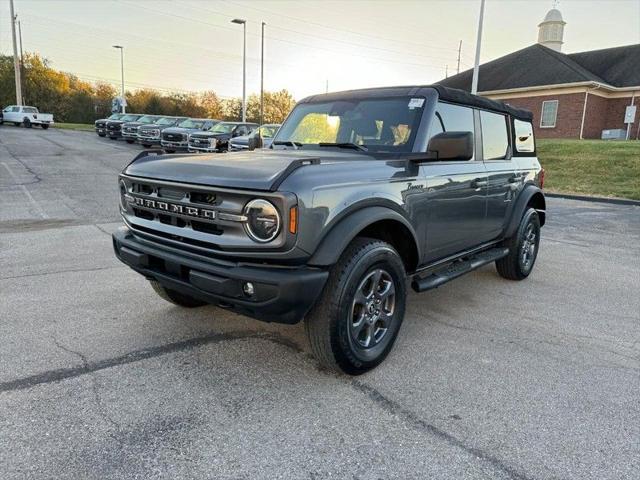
[(15, 109), (495, 139), (452, 118), (549, 114), (524, 136)]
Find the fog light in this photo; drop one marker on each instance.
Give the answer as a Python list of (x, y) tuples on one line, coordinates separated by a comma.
[(248, 289)]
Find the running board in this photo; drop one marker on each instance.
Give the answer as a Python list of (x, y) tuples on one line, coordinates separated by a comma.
[(458, 268)]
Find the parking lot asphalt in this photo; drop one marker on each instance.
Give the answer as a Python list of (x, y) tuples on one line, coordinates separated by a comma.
[(100, 378)]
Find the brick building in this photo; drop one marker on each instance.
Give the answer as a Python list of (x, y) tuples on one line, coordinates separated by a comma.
[(575, 95)]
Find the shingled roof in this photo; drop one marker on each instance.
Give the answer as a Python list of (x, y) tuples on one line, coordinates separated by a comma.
[(538, 65)]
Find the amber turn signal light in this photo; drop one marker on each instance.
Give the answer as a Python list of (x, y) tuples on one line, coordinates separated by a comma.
[(293, 219)]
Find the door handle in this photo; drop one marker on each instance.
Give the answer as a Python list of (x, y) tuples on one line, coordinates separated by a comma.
[(478, 183)]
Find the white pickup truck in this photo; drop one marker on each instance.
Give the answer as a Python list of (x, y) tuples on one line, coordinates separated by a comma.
[(27, 116)]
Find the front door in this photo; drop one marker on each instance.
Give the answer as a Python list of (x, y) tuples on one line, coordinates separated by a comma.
[(456, 191)]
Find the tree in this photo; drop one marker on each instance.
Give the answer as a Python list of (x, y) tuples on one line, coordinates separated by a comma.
[(211, 104)]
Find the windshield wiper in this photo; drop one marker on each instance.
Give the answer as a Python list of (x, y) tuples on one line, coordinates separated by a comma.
[(354, 146), (291, 143)]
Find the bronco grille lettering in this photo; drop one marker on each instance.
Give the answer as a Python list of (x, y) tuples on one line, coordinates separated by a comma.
[(171, 207)]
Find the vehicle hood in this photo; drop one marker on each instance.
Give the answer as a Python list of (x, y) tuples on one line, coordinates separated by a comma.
[(152, 126), (114, 122), (181, 130), (134, 124), (255, 170), (212, 135)]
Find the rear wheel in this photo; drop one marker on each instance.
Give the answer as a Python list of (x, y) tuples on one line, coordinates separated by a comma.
[(354, 324), (176, 298), (523, 248)]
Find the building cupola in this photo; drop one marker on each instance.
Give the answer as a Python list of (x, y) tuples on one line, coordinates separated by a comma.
[(551, 30)]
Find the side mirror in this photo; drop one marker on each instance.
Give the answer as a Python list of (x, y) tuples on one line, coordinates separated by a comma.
[(255, 142), (451, 146)]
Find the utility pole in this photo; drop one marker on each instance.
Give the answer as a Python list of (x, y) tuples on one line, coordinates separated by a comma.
[(16, 63), (22, 75), (476, 64), (242, 22), (262, 76), (326, 87), (459, 52), (446, 71), (124, 102)]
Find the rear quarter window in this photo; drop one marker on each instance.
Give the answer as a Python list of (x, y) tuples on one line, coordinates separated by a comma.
[(524, 136)]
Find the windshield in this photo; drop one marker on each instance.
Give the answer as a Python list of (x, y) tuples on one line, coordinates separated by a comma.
[(147, 119), (377, 124), (189, 123), (267, 131), (166, 121), (130, 118), (222, 127)]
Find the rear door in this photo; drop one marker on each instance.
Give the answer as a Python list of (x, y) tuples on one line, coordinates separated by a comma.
[(501, 170), (457, 190)]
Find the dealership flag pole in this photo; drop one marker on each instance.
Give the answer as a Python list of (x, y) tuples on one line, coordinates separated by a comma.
[(240, 21), (16, 63), (262, 76), (476, 64)]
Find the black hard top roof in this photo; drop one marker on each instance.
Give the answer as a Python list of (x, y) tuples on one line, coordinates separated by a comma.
[(452, 95)]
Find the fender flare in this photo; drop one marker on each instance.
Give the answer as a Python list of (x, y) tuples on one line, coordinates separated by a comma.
[(525, 196), (345, 230)]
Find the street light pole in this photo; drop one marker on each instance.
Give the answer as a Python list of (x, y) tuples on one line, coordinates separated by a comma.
[(262, 76), (124, 102), (476, 64), (16, 63), (242, 22)]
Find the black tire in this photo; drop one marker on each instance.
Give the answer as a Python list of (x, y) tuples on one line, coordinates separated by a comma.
[(169, 151), (44, 126), (146, 145), (176, 298), (27, 123), (523, 248), (347, 328), (130, 141), (102, 134), (17, 124), (113, 138)]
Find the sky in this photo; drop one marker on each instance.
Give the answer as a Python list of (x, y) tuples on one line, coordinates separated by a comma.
[(191, 45)]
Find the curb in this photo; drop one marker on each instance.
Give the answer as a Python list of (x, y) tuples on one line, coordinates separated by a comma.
[(587, 198)]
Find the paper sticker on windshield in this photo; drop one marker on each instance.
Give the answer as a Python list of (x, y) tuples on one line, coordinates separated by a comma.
[(416, 103)]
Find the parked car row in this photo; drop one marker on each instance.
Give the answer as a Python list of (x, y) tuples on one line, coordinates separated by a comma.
[(182, 134)]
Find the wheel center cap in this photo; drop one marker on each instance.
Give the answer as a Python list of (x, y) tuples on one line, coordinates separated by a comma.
[(371, 308)]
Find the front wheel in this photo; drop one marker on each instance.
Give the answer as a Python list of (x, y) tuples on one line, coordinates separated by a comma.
[(169, 151), (44, 126), (27, 123), (130, 141), (523, 248), (354, 324), (176, 298)]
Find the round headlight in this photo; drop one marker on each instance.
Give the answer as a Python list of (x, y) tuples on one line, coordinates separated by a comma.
[(263, 220)]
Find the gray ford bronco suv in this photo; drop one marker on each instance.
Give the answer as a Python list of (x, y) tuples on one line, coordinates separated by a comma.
[(361, 194)]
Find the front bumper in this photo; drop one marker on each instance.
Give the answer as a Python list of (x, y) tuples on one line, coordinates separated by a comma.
[(101, 130), (114, 133), (147, 141), (281, 294)]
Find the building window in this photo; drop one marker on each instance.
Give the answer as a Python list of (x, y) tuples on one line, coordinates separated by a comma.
[(549, 114)]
